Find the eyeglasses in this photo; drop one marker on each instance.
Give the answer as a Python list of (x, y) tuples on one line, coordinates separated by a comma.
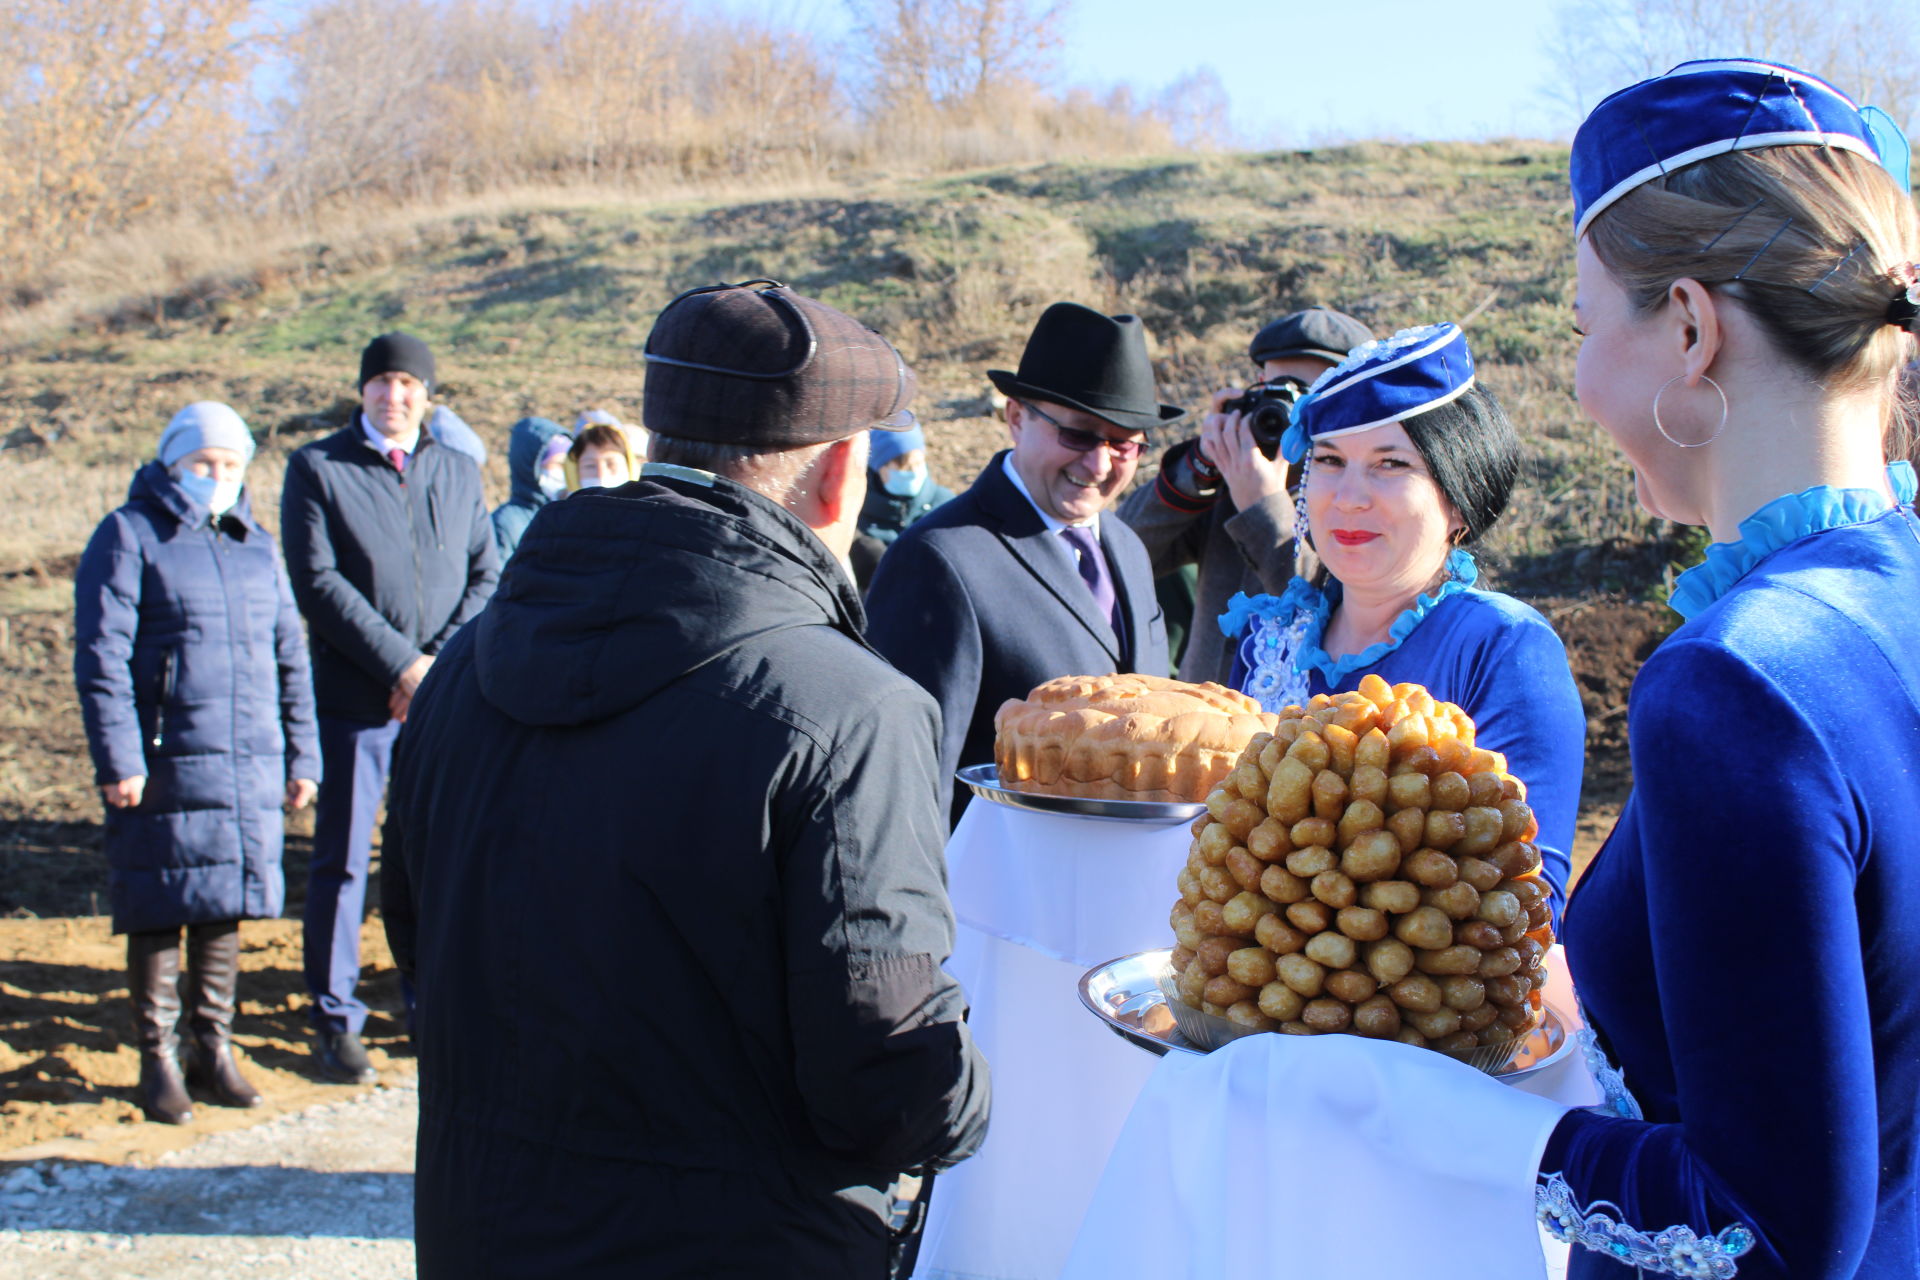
[(1086, 441)]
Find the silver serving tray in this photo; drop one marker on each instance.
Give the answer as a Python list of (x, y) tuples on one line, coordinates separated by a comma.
[(1125, 995), (984, 780)]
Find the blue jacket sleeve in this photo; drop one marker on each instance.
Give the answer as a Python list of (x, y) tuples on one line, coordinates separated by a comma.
[(921, 619), (1530, 712), (296, 682), (1746, 832), (106, 617)]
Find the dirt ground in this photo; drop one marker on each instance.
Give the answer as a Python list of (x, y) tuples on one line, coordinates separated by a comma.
[(67, 1066)]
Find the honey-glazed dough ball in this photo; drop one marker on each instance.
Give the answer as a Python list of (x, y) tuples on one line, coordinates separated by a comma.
[(1310, 861), (1450, 791), (1444, 830), (1424, 927), (1329, 795), (1302, 974), (1389, 960), (1479, 873), (1462, 991), (1499, 962), (1396, 897), (1281, 1002), (1454, 959), (1369, 783), (1313, 831), (1282, 886), (1334, 889), (1281, 938), (1480, 1017), (1428, 868), (1254, 967), (1477, 934), (1246, 1013), (1224, 991), (1242, 913), (1416, 993), (1459, 1042), (1310, 749), (1181, 957), (1217, 884), (1245, 868), (1189, 885), (1351, 985), (1409, 827), (1268, 841), (1458, 900), (1483, 832), (1371, 855), (1192, 982), (1310, 916), (1409, 791), (1360, 817), (1362, 924), (1290, 794), (1332, 950), (1214, 843), (1483, 789), (1242, 816), (1432, 1024), (1327, 1015), (1213, 952), (1377, 1017), (1209, 918)]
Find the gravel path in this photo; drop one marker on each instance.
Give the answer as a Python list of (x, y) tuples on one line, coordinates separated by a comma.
[(325, 1192)]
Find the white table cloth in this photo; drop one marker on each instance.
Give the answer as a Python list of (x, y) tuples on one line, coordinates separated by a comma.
[(1333, 1158), (1041, 899)]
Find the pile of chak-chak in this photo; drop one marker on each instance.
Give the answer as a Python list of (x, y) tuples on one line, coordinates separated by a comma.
[(1367, 869)]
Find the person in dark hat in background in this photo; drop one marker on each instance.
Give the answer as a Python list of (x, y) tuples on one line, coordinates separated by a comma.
[(1222, 500), (1020, 579), (693, 1031), (389, 550)]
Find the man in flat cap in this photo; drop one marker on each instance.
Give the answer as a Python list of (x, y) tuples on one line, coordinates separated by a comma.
[(1020, 579), (389, 550), (675, 846), (1220, 500)]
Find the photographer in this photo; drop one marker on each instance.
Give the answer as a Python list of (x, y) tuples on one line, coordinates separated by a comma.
[(1221, 500)]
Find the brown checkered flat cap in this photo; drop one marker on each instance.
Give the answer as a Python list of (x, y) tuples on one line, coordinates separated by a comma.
[(758, 365)]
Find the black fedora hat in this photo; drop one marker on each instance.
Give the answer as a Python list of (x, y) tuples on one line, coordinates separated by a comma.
[(1091, 362)]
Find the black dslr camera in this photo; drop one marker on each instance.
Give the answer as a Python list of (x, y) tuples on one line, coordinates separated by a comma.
[(1269, 410)]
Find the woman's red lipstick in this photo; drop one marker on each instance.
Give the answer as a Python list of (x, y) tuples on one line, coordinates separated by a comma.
[(1353, 537)]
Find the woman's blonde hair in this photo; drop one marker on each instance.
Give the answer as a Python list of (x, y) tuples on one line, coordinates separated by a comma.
[(1807, 239)]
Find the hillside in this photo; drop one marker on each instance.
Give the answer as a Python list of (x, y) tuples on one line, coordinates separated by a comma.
[(543, 308)]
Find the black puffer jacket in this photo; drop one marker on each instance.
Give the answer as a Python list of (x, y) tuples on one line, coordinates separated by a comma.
[(677, 909), (386, 566)]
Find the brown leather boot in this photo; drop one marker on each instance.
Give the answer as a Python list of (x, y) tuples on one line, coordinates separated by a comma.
[(213, 967), (153, 979)]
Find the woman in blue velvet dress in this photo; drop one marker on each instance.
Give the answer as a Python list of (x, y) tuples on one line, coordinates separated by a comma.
[(1409, 463), (1747, 943)]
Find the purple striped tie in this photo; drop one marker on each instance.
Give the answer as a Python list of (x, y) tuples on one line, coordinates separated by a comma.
[(1093, 570)]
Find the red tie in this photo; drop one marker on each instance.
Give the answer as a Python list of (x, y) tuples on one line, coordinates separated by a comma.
[(398, 457)]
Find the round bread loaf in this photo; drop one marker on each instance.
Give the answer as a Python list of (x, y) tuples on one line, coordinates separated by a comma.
[(1124, 737)]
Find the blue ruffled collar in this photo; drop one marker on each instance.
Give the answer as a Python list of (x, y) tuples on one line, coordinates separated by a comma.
[(1784, 520), (1302, 596)]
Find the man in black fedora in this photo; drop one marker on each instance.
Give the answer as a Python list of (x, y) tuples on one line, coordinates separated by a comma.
[(1021, 578)]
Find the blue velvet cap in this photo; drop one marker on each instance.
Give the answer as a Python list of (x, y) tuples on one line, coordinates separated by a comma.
[(1380, 382), (1709, 108)]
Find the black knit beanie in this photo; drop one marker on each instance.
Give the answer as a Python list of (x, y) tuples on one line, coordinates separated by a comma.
[(396, 353)]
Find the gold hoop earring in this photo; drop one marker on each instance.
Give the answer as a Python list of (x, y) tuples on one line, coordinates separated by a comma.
[(1661, 427)]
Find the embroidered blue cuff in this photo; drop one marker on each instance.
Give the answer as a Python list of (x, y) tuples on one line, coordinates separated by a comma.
[(1674, 1251)]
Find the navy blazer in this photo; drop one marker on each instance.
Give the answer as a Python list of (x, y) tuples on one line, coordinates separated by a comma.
[(979, 602)]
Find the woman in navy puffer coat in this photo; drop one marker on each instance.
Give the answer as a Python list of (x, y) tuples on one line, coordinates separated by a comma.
[(192, 671)]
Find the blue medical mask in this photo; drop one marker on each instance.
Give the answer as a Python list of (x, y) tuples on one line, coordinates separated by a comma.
[(217, 496), (905, 484)]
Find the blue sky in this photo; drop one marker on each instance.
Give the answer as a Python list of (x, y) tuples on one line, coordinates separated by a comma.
[(1300, 73)]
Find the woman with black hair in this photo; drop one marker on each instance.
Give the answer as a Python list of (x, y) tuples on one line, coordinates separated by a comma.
[(1409, 463)]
